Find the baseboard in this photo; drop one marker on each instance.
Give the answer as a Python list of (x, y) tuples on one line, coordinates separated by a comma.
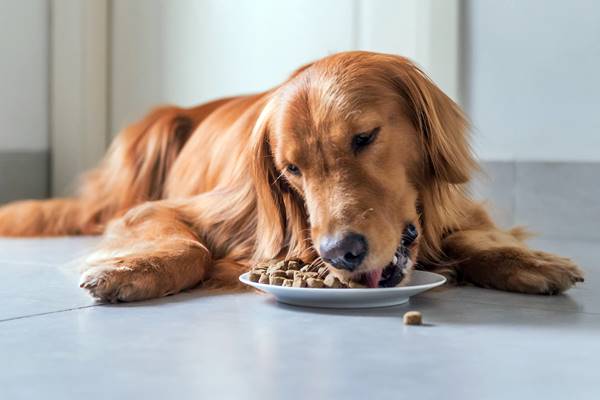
[(23, 175), (556, 199)]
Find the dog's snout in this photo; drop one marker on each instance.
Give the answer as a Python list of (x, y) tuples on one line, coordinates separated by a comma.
[(344, 252)]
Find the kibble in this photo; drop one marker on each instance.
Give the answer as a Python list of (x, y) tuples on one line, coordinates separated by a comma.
[(279, 274), (290, 273), (413, 318), (276, 280), (294, 265), (299, 282), (333, 282), (314, 283), (294, 273), (254, 276)]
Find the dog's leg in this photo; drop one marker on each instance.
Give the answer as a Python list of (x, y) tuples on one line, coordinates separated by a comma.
[(490, 257), (152, 251), (51, 217)]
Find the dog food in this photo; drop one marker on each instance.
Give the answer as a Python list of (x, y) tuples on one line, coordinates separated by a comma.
[(294, 273), (413, 318)]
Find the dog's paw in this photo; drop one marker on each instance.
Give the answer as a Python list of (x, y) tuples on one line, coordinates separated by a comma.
[(549, 274), (114, 283), (563, 272)]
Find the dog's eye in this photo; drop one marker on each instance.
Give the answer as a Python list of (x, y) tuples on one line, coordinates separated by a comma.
[(293, 169), (362, 140)]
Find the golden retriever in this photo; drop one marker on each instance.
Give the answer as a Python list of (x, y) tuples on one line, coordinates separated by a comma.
[(336, 162)]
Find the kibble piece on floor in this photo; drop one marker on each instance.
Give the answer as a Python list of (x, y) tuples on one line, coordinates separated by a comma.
[(314, 283), (276, 280), (413, 318), (254, 276), (264, 278), (287, 283), (333, 282)]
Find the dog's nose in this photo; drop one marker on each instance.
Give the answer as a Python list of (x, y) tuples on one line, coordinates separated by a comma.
[(345, 252)]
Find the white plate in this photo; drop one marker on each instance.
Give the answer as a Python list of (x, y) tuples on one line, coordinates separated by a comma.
[(417, 282)]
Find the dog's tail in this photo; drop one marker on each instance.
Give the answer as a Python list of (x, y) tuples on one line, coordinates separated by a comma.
[(133, 171)]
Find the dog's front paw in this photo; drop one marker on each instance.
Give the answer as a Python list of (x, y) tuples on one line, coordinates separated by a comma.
[(544, 273), (113, 283), (558, 273)]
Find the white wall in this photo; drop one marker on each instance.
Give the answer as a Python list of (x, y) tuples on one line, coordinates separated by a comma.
[(190, 51), (533, 70), (79, 89), (23, 75)]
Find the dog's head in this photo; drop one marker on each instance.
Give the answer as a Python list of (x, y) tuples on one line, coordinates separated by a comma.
[(344, 150)]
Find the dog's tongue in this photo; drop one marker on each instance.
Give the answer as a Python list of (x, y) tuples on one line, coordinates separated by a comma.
[(373, 278)]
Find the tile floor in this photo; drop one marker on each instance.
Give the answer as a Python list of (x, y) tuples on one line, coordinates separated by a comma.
[(56, 343)]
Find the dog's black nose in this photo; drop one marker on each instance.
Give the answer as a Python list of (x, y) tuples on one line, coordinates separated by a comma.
[(345, 252)]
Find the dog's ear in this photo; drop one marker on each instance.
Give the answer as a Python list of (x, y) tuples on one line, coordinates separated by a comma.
[(443, 128), (281, 215)]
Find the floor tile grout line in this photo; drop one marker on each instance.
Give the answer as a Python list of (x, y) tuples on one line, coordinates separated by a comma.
[(505, 307), (48, 313)]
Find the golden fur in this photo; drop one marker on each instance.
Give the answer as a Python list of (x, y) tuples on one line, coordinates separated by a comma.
[(189, 196)]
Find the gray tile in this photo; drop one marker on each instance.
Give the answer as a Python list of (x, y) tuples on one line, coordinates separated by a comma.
[(247, 346), (585, 253), (495, 185), (562, 200), (47, 250), (584, 298), (24, 175), (30, 289), (42, 275), (477, 344)]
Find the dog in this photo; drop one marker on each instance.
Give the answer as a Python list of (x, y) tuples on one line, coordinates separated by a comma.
[(337, 162)]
